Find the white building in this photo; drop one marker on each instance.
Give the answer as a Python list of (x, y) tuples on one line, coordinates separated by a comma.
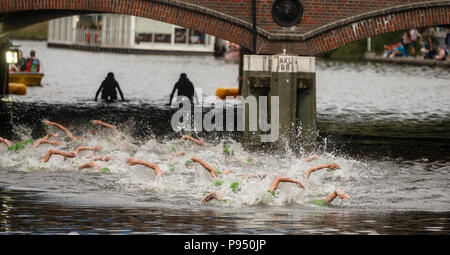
[(126, 33)]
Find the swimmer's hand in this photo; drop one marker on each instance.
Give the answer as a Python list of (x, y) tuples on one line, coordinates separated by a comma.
[(131, 161), (97, 122), (195, 159), (333, 166), (342, 195), (300, 185)]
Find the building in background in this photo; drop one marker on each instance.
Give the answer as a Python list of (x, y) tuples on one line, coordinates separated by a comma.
[(123, 33)]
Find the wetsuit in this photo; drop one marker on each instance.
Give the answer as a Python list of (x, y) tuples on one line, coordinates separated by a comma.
[(185, 88), (108, 89)]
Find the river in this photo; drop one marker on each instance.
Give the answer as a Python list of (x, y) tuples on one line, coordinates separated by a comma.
[(386, 126)]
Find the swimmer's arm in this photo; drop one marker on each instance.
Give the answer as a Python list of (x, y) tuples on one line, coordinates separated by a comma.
[(260, 176), (5, 141), (105, 158), (155, 167), (279, 179), (101, 123), (206, 166), (178, 154), (212, 195), (98, 91), (49, 154), (335, 194), (120, 91), (90, 164), (69, 134), (173, 92), (52, 142), (315, 168), (42, 140), (309, 159), (197, 141), (86, 148)]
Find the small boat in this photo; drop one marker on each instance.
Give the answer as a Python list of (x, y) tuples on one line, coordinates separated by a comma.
[(27, 78)]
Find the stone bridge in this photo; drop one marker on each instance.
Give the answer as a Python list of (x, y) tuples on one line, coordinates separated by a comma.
[(325, 24)]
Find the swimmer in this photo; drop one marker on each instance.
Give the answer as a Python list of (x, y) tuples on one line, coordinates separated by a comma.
[(90, 164), (105, 158), (272, 188), (260, 176), (177, 154), (49, 154), (206, 166), (132, 162), (45, 140), (101, 123), (330, 198), (197, 141), (315, 168), (53, 142), (5, 141), (335, 194), (211, 196), (69, 134), (86, 148), (278, 179)]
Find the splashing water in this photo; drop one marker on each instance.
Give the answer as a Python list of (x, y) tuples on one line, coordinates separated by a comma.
[(184, 184)]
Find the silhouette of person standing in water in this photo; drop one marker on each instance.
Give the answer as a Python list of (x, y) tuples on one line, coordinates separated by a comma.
[(185, 88), (108, 89)]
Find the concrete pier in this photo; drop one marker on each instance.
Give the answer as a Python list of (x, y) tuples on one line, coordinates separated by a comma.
[(292, 79)]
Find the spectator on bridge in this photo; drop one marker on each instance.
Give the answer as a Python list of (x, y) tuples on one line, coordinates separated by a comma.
[(185, 88), (414, 35), (428, 50), (394, 50), (32, 64), (442, 53), (406, 41), (108, 89)]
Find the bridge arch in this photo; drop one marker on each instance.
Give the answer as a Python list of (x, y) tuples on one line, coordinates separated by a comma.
[(174, 12), (377, 22), (231, 20)]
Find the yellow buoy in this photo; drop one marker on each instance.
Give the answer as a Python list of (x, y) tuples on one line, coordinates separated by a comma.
[(223, 92), (17, 88)]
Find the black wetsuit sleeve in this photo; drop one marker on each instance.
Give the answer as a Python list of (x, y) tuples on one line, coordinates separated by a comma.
[(120, 91), (173, 92), (98, 91)]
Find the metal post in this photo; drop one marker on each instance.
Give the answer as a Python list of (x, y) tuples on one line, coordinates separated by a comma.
[(369, 44), (4, 72), (254, 26)]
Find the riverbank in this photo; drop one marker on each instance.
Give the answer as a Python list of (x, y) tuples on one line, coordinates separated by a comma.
[(369, 56), (36, 32)]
